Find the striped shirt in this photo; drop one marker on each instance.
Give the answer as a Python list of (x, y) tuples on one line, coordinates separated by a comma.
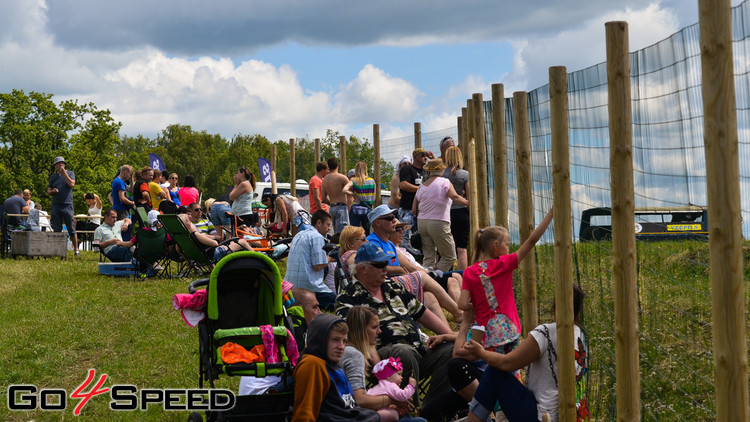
[(205, 226), (365, 192)]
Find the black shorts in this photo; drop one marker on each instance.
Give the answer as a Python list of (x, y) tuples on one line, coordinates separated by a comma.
[(461, 373), (460, 227)]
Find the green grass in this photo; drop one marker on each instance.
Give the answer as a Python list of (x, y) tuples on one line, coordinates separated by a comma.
[(676, 364), (60, 318)]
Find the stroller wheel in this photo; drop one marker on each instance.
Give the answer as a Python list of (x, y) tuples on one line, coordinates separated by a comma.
[(195, 417)]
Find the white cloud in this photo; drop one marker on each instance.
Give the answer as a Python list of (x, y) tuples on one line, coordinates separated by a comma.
[(583, 45), (376, 96)]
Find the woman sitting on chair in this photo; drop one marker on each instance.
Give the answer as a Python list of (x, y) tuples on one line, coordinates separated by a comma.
[(215, 250)]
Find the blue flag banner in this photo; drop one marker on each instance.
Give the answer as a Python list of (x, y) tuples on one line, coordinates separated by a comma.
[(156, 163), (265, 169)]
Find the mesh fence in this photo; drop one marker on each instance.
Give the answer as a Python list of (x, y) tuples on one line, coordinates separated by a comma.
[(669, 171)]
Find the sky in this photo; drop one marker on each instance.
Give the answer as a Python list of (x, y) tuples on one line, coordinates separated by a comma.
[(291, 68)]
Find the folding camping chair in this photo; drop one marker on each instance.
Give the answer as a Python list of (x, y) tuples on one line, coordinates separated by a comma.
[(150, 253)]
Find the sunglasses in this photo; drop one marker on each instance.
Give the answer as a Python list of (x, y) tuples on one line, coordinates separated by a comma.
[(388, 218), (379, 265), (173, 178), (399, 229), (196, 210)]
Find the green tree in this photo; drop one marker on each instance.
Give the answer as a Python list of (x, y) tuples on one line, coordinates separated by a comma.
[(134, 151), (34, 130), (199, 154)]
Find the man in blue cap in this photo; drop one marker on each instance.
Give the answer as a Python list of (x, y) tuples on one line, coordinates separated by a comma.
[(383, 223), (399, 311)]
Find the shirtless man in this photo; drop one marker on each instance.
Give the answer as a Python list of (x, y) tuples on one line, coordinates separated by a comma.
[(333, 194)]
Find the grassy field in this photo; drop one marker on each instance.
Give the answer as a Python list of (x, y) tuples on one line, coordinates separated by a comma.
[(62, 318), (674, 308)]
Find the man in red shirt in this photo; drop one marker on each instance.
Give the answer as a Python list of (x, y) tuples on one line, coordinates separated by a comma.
[(316, 191)]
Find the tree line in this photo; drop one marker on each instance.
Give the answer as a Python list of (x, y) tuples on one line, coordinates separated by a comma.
[(34, 130)]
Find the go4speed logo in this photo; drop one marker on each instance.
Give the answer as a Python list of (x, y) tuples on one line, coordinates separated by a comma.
[(25, 397)]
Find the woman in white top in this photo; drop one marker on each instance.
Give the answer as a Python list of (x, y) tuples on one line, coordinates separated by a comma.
[(95, 208), (538, 397), (359, 357), (242, 196)]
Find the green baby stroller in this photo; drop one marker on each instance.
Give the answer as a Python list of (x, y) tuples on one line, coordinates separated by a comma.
[(244, 308)]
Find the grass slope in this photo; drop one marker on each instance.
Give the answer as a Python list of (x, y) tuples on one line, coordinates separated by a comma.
[(60, 318)]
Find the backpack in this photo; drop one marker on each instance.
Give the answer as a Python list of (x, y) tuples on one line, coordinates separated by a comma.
[(583, 413)]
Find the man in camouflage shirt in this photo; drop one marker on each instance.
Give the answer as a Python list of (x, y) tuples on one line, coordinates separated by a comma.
[(398, 310)]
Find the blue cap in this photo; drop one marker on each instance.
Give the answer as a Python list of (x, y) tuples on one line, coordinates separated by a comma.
[(379, 211), (371, 252)]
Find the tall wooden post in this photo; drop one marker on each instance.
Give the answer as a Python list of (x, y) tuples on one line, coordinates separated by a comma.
[(376, 162), (460, 128), (499, 155), (417, 135), (566, 375), (463, 138), (292, 169), (623, 223), (525, 208), (725, 228), (274, 189), (473, 215), (469, 159), (317, 150), (481, 156), (342, 155)]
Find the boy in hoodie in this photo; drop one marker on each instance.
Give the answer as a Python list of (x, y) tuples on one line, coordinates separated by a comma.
[(321, 390)]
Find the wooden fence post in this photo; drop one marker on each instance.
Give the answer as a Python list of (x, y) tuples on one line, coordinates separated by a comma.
[(566, 374), (460, 129), (725, 220), (499, 155), (292, 169), (463, 138), (473, 215), (317, 150), (417, 135), (376, 162), (481, 156), (623, 223), (274, 188), (525, 208), (342, 156)]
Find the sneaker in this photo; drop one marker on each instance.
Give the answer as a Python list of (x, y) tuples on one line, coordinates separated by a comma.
[(157, 267), (77, 253)]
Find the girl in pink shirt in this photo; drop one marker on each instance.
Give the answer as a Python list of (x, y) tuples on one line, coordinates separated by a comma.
[(488, 285), (389, 373)]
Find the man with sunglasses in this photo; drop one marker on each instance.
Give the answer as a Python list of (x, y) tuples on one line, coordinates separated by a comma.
[(204, 225), (398, 311), (382, 223)]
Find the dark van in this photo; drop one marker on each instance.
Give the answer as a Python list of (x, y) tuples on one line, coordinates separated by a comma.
[(656, 223)]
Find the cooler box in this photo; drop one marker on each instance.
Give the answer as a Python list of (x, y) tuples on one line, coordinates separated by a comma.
[(39, 243), (117, 269)]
